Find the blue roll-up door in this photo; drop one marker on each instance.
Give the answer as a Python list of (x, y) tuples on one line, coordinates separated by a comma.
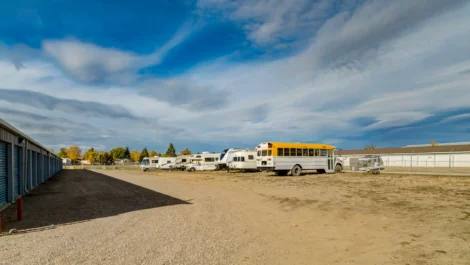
[(16, 169), (34, 166), (3, 173), (28, 169)]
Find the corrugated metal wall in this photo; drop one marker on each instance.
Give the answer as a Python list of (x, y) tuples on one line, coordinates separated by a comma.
[(3, 173), (24, 164)]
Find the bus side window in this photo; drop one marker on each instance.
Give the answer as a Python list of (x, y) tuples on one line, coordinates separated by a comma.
[(292, 152), (323, 152), (317, 152), (310, 152), (305, 152), (251, 157), (280, 152), (286, 152), (270, 153), (299, 152)]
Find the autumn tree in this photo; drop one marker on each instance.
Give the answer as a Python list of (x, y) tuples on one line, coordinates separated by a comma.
[(144, 153), (118, 153), (62, 153), (371, 147), (90, 155), (74, 152), (185, 152), (434, 143), (135, 156), (152, 153), (170, 152)]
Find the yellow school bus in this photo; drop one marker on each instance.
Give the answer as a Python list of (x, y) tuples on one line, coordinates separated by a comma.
[(293, 158)]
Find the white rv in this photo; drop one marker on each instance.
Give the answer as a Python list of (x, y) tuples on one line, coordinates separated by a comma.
[(182, 162), (149, 163), (244, 160), (226, 157), (167, 163), (204, 161)]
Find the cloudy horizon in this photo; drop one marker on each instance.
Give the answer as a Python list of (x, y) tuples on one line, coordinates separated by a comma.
[(213, 74)]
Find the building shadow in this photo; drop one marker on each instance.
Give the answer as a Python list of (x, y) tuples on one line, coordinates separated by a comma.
[(73, 196)]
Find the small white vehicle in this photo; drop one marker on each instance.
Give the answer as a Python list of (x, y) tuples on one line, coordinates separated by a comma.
[(167, 163), (369, 163), (182, 162), (203, 162), (226, 157), (244, 160), (149, 163)]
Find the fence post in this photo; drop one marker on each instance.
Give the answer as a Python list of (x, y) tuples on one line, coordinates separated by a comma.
[(411, 163), (450, 158)]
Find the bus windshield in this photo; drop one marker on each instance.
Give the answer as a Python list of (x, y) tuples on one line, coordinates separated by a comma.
[(145, 162)]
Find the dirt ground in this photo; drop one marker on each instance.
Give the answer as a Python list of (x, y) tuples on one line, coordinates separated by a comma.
[(130, 217)]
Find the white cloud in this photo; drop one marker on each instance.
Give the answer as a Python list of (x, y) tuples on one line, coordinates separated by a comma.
[(347, 72)]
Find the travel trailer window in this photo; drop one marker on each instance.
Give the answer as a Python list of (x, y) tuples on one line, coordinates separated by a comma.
[(145, 162), (154, 161), (183, 160), (209, 159), (251, 157), (242, 159), (234, 159)]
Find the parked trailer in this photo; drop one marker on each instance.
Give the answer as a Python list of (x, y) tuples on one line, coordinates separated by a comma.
[(149, 163), (244, 160), (167, 163), (204, 161), (182, 162), (226, 157)]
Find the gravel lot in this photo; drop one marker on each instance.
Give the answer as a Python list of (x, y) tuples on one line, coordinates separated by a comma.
[(131, 217)]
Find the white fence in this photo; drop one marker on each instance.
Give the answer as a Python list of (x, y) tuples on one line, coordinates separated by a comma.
[(424, 162)]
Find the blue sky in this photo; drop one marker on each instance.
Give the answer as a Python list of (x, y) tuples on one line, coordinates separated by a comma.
[(213, 74)]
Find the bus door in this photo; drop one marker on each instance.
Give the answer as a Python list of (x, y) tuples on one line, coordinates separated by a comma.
[(330, 159)]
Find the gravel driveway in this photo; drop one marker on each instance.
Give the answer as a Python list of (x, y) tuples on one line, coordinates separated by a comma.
[(130, 217)]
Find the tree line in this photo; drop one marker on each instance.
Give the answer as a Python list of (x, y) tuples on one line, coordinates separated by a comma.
[(75, 153)]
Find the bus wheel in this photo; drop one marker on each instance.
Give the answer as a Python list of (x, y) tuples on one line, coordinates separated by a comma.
[(338, 168), (295, 171)]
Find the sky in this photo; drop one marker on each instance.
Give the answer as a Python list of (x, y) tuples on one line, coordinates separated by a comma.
[(214, 74)]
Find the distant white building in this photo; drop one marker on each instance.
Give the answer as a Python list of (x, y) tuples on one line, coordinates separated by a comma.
[(66, 161)]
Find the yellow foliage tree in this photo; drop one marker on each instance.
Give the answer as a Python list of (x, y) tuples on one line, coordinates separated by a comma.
[(135, 155), (372, 147), (434, 143), (74, 152), (185, 152), (152, 153)]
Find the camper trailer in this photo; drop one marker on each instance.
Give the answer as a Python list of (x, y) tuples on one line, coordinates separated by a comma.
[(167, 163), (244, 160), (204, 161), (149, 163), (182, 162), (368, 163), (226, 157)]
